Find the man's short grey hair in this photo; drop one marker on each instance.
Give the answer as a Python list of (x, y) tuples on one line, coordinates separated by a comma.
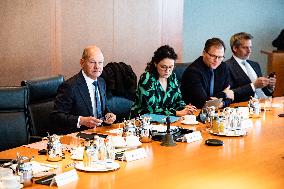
[(235, 40)]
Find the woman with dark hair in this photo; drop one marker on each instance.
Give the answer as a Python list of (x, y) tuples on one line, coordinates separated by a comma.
[(158, 91)]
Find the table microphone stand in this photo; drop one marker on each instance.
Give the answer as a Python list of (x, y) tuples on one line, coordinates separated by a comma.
[(168, 138)]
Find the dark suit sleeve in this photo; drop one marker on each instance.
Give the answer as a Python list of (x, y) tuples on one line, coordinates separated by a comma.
[(240, 83), (62, 114), (192, 88), (224, 84), (242, 92)]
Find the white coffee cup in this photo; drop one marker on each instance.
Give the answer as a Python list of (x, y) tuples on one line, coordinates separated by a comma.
[(11, 182), (189, 119), (132, 141), (5, 172)]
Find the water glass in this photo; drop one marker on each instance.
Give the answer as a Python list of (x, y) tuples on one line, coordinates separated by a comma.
[(268, 103), (110, 152)]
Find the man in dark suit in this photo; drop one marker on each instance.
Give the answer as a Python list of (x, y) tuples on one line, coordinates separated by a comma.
[(207, 77), (246, 76), (81, 100)]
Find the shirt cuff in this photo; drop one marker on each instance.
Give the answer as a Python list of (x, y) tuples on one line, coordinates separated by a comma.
[(78, 122), (252, 86)]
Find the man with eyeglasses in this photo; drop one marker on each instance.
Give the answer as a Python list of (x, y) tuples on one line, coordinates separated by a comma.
[(81, 100), (207, 77), (246, 76)]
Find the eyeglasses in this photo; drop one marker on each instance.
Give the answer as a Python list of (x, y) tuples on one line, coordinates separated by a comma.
[(94, 62), (165, 68), (212, 56)]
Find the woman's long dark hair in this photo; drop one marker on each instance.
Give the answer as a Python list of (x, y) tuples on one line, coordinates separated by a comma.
[(162, 52)]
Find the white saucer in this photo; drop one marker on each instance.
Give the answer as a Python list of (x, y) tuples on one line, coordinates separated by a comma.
[(98, 167), (21, 186), (189, 123)]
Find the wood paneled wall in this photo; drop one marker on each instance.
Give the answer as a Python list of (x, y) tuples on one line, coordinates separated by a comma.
[(41, 38)]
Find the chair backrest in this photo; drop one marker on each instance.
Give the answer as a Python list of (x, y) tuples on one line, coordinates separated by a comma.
[(121, 84), (13, 117), (179, 69), (41, 94), (120, 79), (120, 106)]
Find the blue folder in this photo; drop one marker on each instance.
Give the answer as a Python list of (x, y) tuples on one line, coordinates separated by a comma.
[(160, 118)]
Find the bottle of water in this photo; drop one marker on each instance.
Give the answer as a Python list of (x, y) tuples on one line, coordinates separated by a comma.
[(101, 148), (110, 153)]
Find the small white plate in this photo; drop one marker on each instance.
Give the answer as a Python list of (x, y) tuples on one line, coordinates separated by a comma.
[(110, 167), (128, 146), (230, 134), (189, 123)]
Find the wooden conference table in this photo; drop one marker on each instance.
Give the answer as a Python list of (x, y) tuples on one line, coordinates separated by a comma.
[(253, 161)]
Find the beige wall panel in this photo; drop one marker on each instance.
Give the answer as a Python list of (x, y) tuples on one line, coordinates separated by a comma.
[(84, 23), (25, 40), (172, 25), (137, 32), (41, 38)]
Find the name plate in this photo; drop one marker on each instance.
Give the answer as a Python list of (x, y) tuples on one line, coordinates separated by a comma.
[(136, 154), (66, 177), (192, 137)]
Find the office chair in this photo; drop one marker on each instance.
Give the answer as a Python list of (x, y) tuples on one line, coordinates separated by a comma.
[(179, 69), (41, 94), (13, 117)]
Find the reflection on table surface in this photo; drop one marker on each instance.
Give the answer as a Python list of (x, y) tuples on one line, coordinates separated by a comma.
[(253, 161)]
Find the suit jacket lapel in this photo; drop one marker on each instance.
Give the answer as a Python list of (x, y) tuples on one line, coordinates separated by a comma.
[(239, 71), (84, 92)]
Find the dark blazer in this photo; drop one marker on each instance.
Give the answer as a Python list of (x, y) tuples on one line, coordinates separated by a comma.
[(73, 100), (195, 84), (240, 81)]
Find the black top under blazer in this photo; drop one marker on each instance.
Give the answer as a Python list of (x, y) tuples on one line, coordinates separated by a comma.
[(195, 84), (73, 100), (241, 84)]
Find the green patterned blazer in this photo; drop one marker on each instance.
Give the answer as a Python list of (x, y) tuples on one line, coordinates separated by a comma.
[(151, 97)]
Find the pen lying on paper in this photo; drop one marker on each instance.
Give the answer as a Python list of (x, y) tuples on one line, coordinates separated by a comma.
[(48, 165)]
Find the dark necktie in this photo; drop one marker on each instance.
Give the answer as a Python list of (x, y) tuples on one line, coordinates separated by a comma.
[(98, 102), (211, 82)]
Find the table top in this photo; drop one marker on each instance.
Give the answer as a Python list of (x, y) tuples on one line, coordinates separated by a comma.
[(253, 161)]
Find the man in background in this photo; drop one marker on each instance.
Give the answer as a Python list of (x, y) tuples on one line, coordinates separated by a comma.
[(207, 77), (81, 100), (246, 76)]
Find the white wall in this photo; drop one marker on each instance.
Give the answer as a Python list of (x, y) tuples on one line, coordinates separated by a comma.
[(222, 18)]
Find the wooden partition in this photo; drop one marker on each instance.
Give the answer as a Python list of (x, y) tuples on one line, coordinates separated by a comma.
[(275, 63), (43, 38)]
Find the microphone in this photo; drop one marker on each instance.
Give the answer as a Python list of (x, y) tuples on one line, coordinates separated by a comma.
[(168, 138)]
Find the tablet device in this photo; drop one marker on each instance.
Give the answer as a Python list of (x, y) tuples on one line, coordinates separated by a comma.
[(215, 102)]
